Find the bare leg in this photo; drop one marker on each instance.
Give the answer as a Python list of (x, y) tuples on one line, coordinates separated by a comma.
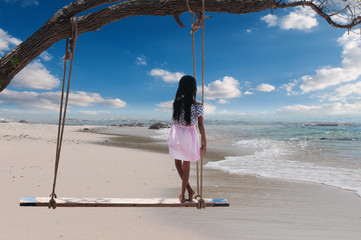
[(185, 180), (179, 167)]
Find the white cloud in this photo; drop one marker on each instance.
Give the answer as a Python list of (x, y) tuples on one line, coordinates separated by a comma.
[(222, 101), (303, 18), (10, 110), (84, 99), (248, 93), (271, 20), (289, 87), (332, 76), (46, 56), (51, 100), (264, 87), (234, 114), (28, 100), (7, 41), (92, 113), (209, 108), (113, 103), (247, 83), (165, 106), (24, 3), (141, 61), (35, 76), (347, 92), (325, 109), (341, 18), (227, 88), (349, 89), (165, 75)]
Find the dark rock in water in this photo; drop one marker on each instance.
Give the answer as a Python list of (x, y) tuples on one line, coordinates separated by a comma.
[(23, 121), (86, 129), (159, 126), (3, 121)]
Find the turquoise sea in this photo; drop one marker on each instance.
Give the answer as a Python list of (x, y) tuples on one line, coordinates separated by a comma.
[(317, 152)]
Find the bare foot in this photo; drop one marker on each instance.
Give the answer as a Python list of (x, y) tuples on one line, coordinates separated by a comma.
[(181, 198), (191, 195)]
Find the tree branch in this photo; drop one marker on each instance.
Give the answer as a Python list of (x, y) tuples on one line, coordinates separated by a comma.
[(355, 21)]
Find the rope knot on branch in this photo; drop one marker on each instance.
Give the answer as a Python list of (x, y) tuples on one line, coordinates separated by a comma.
[(71, 43), (198, 24)]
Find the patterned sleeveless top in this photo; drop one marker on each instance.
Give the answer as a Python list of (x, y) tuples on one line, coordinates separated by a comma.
[(196, 111)]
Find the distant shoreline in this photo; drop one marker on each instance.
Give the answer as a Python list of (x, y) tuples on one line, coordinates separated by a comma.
[(145, 142)]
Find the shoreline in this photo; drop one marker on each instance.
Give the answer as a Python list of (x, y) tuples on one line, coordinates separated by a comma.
[(146, 143), (261, 208), (265, 199)]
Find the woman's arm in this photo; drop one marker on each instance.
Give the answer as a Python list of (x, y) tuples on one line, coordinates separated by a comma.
[(203, 135)]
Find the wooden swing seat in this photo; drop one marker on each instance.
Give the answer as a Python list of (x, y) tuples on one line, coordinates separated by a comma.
[(119, 202)]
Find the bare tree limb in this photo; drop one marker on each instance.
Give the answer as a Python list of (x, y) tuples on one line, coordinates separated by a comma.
[(58, 26), (318, 10)]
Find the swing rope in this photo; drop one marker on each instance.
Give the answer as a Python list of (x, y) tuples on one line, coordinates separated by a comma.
[(195, 26), (69, 55), (116, 202)]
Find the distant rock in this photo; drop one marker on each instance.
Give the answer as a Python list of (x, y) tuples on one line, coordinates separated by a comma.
[(23, 121), (3, 121), (159, 125), (86, 129)]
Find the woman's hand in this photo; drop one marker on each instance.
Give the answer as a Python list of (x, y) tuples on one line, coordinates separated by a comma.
[(204, 148)]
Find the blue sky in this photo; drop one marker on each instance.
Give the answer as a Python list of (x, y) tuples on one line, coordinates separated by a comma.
[(288, 64)]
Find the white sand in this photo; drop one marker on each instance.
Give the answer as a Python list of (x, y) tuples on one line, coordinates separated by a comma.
[(260, 208), (86, 170)]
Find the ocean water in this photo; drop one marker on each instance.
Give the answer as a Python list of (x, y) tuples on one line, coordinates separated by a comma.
[(316, 152)]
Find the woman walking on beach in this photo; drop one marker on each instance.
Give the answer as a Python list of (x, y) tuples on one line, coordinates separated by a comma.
[(183, 139)]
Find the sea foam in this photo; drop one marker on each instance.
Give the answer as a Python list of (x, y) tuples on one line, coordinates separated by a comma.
[(162, 134), (275, 159)]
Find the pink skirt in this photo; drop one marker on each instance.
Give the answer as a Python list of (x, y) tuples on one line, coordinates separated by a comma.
[(183, 143)]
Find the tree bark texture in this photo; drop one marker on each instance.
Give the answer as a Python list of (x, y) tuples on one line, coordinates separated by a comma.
[(58, 27)]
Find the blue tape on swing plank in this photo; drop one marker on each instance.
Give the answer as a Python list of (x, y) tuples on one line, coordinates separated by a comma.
[(28, 202), (220, 202)]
